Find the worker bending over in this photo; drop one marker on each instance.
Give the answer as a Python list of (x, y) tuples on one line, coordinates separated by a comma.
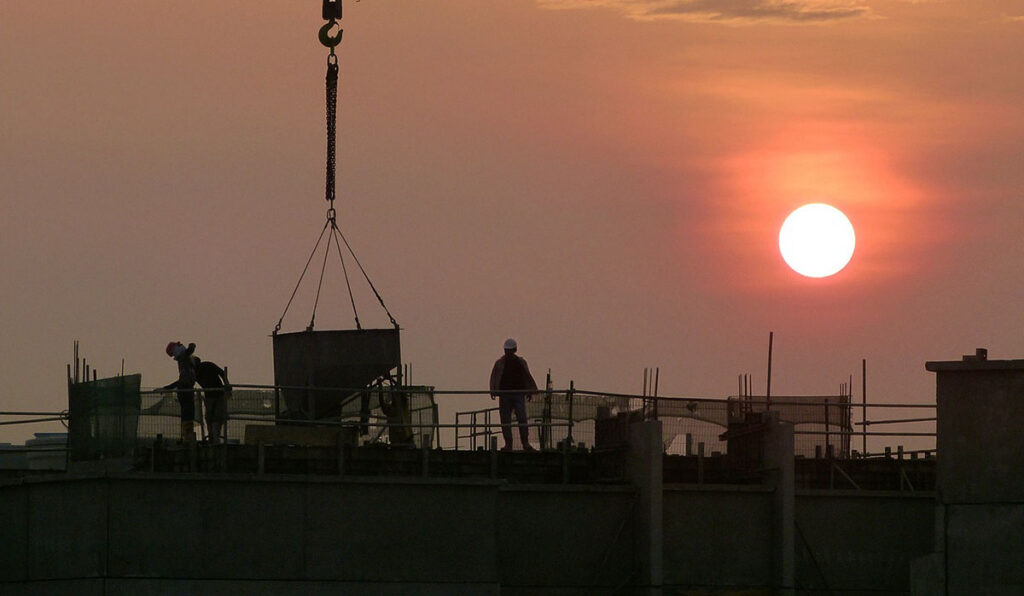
[(214, 380), (186, 381)]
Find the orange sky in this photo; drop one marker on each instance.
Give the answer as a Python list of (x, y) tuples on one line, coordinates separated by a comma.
[(603, 180)]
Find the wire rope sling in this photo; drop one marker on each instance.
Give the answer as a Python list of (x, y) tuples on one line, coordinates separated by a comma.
[(343, 360)]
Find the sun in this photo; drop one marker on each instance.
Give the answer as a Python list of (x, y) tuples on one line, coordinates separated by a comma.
[(817, 240)]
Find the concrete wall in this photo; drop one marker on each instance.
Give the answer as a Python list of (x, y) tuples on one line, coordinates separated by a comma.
[(186, 528), (985, 549), (248, 535), (553, 536), (848, 542), (861, 540), (979, 414), (718, 536)]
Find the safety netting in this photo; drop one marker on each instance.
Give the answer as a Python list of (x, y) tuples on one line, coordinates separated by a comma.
[(828, 416), (160, 412), (103, 417), (386, 415), (689, 425)]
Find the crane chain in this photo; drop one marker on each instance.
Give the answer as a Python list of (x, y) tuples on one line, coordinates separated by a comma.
[(332, 109)]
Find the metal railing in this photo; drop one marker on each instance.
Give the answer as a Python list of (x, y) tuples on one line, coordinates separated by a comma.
[(823, 424), (263, 404), (40, 456)]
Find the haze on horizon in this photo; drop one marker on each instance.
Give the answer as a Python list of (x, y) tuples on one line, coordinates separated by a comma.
[(603, 180)]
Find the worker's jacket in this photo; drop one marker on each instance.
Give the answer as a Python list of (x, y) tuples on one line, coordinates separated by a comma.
[(502, 382), (186, 370)]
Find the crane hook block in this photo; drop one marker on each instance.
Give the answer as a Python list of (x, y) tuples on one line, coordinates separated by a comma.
[(331, 10), (325, 35)]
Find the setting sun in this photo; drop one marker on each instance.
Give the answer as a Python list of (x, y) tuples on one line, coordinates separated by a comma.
[(817, 240)]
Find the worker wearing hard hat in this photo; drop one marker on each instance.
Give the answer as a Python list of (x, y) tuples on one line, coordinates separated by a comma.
[(214, 380), (512, 384), (186, 381)]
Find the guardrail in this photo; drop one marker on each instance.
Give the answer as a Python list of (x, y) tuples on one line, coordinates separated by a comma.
[(34, 457), (359, 407), (823, 424)]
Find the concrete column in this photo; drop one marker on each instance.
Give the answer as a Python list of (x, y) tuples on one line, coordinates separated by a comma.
[(780, 474), (644, 464), (979, 540)]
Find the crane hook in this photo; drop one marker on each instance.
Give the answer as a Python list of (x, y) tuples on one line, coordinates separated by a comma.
[(325, 34), (331, 12)]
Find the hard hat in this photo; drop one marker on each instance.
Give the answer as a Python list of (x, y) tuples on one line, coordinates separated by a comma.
[(170, 348), (510, 344)]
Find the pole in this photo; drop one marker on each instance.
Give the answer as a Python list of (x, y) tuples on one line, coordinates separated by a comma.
[(277, 404), (657, 374), (768, 390), (827, 441), (864, 405), (545, 435), (572, 389), (645, 394), (847, 415)]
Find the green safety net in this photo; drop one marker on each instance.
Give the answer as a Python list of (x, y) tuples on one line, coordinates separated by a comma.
[(103, 417)]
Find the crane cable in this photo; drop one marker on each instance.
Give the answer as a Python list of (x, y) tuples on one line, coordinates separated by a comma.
[(332, 13)]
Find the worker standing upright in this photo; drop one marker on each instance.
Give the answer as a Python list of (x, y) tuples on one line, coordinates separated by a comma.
[(186, 381), (512, 384)]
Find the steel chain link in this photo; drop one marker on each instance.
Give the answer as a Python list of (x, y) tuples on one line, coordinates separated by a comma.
[(332, 108)]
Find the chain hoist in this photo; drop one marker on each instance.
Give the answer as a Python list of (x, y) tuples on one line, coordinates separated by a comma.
[(332, 14), (330, 36)]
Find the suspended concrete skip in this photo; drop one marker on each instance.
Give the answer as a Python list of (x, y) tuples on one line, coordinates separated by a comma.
[(339, 360)]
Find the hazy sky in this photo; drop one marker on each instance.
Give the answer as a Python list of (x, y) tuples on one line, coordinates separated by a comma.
[(602, 179)]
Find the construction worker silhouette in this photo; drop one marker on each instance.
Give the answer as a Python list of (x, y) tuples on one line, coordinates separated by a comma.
[(512, 384), (186, 381), (216, 390)]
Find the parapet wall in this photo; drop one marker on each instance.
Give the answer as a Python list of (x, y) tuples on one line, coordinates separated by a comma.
[(156, 533), (222, 534)]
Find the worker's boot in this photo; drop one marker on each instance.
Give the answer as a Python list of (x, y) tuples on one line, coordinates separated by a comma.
[(524, 438)]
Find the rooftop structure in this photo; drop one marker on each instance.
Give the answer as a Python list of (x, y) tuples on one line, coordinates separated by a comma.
[(629, 492)]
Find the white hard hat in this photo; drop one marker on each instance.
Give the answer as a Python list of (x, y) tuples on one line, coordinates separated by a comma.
[(510, 344)]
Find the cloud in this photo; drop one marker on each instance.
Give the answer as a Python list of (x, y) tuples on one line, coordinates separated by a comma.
[(726, 11), (1013, 18)]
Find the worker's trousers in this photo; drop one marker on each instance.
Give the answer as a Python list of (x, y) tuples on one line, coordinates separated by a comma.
[(506, 405)]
